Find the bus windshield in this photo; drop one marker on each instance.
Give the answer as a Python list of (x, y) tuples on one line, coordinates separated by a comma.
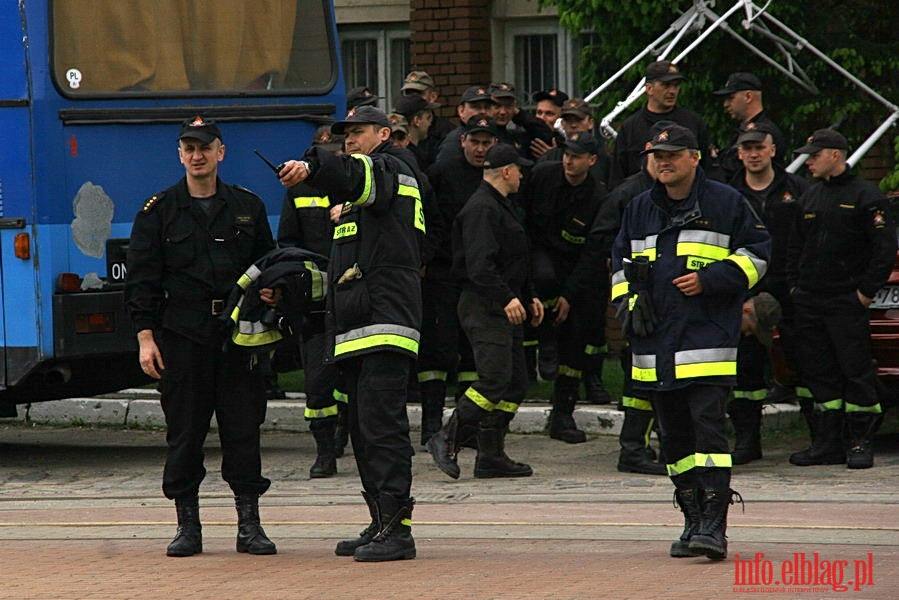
[(196, 47)]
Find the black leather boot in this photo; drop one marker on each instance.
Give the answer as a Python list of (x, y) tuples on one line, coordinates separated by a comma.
[(394, 541), (189, 538), (711, 539), (594, 390), (348, 547), (688, 502), (443, 447), (861, 426), (433, 396), (561, 420), (635, 455), (492, 460), (827, 445), (746, 417), (251, 537), (325, 464)]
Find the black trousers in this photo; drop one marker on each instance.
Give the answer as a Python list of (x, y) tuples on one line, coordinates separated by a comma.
[(378, 386), (691, 426), (498, 354), (752, 362), (835, 349), (320, 381), (198, 381), (444, 347)]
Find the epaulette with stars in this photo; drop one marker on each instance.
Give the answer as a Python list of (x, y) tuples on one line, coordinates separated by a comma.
[(152, 202)]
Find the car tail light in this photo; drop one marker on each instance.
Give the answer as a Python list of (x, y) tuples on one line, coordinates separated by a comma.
[(95, 323)]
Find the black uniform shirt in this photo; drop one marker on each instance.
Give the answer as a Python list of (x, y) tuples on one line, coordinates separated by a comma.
[(728, 159), (180, 258), (454, 181)]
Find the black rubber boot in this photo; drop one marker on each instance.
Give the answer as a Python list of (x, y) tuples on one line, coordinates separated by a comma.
[(348, 547), (746, 417), (635, 455), (325, 464), (433, 396), (341, 430), (711, 539), (561, 420), (688, 502), (189, 538), (394, 541), (827, 445), (492, 460), (251, 537), (594, 390), (861, 426)]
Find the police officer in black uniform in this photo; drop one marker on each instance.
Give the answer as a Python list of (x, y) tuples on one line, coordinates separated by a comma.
[(842, 253), (189, 244), (491, 260), (444, 345), (374, 305), (306, 223), (563, 199)]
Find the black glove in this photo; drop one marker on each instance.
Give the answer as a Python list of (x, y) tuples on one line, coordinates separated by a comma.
[(637, 314)]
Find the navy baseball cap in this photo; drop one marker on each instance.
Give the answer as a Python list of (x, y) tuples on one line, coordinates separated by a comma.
[(477, 93), (557, 97), (663, 70), (364, 115), (413, 104), (360, 96), (754, 132), (821, 139), (481, 123), (738, 82), (672, 139), (201, 129), (585, 143), (501, 155)]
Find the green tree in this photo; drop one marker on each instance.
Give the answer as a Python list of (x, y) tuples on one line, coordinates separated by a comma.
[(857, 34)]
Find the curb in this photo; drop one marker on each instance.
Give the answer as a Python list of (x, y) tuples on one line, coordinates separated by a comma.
[(141, 409)]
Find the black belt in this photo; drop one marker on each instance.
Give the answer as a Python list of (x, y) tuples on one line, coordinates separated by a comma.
[(216, 306)]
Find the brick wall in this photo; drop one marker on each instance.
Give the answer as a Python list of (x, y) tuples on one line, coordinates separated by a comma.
[(451, 41)]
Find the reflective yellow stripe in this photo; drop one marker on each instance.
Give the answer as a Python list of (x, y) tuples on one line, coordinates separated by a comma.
[(702, 250), (681, 466), (619, 290), (713, 460), (751, 394), (479, 399), (643, 367), (467, 376), (829, 405), (709, 369), (369, 189), (636, 403), (867, 409), (419, 219), (256, 339), (375, 340), (345, 230), (317, 280), (431, 376), (244, 281), (408, 190), (803, 392), (645, 247), (311, 202), (592, 350), (567, 371), (507, 407), (406, 522), (574, 239), (649, 253), (320, 413), (527, 343), (753, 267), (340, 396)]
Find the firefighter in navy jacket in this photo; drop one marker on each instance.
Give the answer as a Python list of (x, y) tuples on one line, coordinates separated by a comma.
[(375, 311), (704, 248)]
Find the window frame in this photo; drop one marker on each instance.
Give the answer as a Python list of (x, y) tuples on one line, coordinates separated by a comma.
[(384, 34)]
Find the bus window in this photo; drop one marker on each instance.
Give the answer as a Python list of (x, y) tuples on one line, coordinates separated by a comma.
[(195, 46)]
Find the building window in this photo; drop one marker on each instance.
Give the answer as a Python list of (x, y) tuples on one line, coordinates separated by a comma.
[(376, 58), (539, 55), (536, 64)]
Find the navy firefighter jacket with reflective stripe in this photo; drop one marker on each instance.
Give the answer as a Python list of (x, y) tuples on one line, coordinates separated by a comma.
[(715, 232), (374, 302)]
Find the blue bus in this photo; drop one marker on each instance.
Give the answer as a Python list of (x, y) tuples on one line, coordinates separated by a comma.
[(91, 96)]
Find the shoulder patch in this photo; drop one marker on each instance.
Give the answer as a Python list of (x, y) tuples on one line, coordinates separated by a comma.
[(245, 190), (152, 201)]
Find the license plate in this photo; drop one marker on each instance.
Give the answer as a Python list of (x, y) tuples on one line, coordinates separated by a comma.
[(886, 297), (116, 248)]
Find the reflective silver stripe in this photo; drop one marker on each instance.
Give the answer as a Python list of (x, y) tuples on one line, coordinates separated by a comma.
[(618, 277), (644, 361), (704, 355), (619, 285), (407, 180), (761, 266), (704, 237), (248, 277), (252, 327), (368, 330), (640, 246)]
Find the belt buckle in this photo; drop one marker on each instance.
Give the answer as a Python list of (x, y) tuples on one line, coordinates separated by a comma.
[(217, 307)]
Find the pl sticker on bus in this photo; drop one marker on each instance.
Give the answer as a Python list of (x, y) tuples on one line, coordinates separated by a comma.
[(73, 76)]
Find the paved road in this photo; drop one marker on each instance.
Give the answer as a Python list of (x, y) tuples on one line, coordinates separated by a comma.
[(82, 517)]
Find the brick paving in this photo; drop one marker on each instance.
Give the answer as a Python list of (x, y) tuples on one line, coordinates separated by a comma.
[(82, 518)]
